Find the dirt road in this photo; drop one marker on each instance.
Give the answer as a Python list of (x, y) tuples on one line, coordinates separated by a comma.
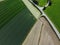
[(1, 0)]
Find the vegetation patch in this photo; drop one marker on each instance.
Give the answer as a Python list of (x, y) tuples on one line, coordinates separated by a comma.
[(15, 22)]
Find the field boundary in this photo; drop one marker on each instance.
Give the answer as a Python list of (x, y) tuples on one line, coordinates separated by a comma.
[(32, 9), (44, 15)]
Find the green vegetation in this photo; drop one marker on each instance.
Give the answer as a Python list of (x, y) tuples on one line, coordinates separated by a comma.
[(15, 22), (42, 2), (53, 12)]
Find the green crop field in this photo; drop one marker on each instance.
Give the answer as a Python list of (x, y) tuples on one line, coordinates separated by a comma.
[(42, 2), (53, 12), (15, 22)]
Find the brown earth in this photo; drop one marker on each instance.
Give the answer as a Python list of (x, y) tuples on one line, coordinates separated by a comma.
[(41, 34), (48, 36)]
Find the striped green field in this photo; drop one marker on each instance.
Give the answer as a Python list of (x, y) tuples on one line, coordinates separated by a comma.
[(53, 12), (15, 22)]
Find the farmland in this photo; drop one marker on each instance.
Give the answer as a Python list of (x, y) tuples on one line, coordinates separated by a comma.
[(53, 12), (15, 22)]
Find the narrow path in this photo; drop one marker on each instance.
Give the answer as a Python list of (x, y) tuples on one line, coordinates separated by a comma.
[(1, 0)]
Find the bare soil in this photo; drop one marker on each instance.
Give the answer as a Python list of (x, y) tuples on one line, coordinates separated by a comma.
[(41, 34), (48, 36)]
